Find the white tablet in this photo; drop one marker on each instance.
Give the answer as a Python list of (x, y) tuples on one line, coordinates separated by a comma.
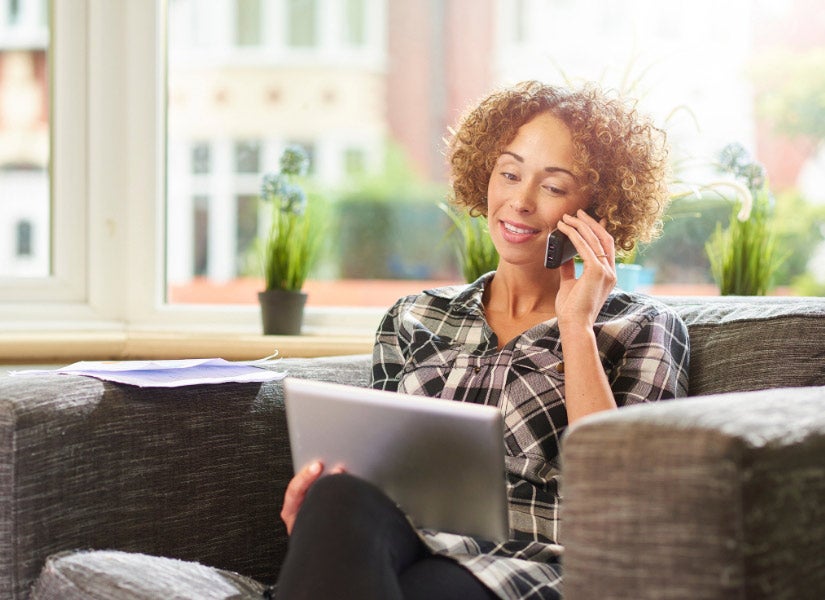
[(441, 461)]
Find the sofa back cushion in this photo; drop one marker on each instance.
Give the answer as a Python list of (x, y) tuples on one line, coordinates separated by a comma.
[(753, 343)]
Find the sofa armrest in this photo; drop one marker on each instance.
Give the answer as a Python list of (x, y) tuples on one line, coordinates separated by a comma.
[(195, 473), (716, 497)]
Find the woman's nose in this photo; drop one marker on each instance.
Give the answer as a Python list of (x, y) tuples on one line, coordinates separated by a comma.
[(523, 200)]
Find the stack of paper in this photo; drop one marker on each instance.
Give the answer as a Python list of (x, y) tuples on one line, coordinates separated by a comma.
[(167, 373)]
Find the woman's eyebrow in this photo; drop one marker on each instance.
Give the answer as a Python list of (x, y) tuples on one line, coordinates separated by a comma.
[(547, 169)]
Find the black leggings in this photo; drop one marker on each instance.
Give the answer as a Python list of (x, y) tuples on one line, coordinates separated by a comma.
[(351, 542)]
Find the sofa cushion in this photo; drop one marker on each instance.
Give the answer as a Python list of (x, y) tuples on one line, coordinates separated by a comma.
[(104, 575), (715, 497), (753, 343)]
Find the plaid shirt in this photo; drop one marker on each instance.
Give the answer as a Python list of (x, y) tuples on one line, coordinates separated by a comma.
[(438, 344)]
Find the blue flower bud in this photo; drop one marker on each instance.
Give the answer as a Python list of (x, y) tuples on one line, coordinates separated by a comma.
[(294, 161), (293, 199), (272, 186)]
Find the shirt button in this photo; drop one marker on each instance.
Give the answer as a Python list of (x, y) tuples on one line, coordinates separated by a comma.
[(560, 367), (476, 370)]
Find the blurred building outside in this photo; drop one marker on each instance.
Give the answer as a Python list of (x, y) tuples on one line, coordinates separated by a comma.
[(24, 139)]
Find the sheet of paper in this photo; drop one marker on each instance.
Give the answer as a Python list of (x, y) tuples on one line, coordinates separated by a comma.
[(167, 373)]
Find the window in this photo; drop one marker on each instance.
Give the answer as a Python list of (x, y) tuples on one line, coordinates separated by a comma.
[(13, 11), (24, 135), (355, 33), (246, 231), (200, 238), (82, 272), (24, 239), (302, 23), (355, 163), (201, 158), (248, 22), (374, 128), (247, 157), (139, 168)]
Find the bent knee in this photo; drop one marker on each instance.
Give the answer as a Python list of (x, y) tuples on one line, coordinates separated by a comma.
[(343, 490)]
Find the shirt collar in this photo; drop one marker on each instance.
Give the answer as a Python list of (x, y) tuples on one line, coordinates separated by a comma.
[(467, 298)]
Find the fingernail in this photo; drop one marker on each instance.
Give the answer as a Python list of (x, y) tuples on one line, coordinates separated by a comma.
[(315, 467)]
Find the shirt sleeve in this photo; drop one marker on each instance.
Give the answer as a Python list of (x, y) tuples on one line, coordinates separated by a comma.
[(387, 358), (655, 362)]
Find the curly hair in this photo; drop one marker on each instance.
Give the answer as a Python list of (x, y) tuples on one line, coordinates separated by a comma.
[(619, 155)]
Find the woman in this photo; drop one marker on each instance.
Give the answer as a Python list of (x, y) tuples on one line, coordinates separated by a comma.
[(545, 347)]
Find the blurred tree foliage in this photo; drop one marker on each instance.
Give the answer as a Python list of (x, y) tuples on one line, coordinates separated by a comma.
[(790, 96), (678, 255), (389, 226), (800, 228), (791, 92)]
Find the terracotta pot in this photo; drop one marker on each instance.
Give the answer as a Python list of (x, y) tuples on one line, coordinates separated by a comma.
[(282, 311)]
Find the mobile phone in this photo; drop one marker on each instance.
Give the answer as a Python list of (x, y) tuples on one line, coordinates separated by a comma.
[(559, 247)]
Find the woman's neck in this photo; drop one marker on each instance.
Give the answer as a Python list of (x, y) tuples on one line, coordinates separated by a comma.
[(516, 294)]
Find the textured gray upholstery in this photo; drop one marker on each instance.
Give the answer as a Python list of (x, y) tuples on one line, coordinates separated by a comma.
[(193, 473), (108, 575), (198, 474), (753, 343), (710, 498)]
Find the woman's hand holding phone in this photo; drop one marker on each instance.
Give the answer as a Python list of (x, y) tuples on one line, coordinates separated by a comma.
[(580, 300), (559, 247)]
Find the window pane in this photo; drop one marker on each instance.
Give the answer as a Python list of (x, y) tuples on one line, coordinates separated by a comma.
[(370, 88), (247, 157), (302, 23), (200, 158), (248, 22), (245, 234), (356, 31), (355, 163), (24, 239), (200, 250), (25, 210)]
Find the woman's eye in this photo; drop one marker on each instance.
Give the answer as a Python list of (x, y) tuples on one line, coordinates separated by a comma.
[(509, 176), (557, 191)]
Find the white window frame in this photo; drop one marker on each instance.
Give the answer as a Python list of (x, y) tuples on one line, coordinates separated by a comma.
[(26, 300), (108, 188)]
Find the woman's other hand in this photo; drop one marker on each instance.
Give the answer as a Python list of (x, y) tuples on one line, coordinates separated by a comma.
[(297, 490)]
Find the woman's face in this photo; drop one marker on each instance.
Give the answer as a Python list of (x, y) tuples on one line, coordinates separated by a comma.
[(532, 185)]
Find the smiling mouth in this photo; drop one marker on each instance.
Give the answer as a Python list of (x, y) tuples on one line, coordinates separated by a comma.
[(519, 230)]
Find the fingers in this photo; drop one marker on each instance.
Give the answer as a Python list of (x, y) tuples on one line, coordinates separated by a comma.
[(296, 492), (591, 239), (606, 242)]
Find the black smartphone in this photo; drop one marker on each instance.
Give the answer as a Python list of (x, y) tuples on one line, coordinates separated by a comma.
[(559, 247)]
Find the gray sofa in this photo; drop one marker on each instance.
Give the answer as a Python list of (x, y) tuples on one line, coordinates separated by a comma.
[(110, 491)]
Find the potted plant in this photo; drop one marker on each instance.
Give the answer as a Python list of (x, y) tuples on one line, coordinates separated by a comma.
[(745, 255), (291, 247)]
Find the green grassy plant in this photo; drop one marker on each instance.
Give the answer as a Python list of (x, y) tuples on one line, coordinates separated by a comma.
[(475, 250)]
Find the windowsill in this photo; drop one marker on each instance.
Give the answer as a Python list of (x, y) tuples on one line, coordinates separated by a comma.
[(67, 347)]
